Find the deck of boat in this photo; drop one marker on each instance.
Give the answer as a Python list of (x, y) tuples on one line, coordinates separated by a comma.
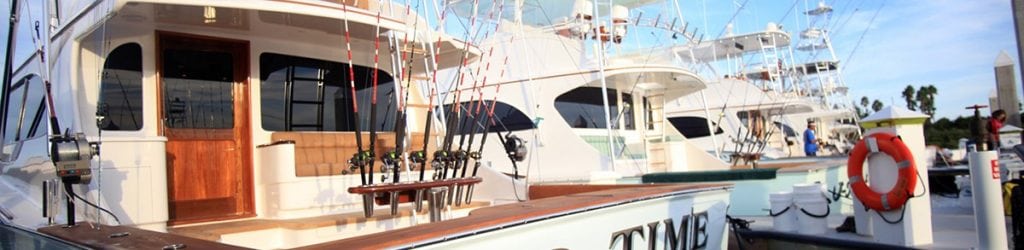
[(508, 215), (214, 231), (561, 200), (125, 237)]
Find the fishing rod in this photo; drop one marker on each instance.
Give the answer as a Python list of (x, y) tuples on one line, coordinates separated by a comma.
[(402, 114), (473, 117), (419, 158), (360, 158), (461, 156), (452, 126), (488, 123), (392, 158), (372, 151), (468, 152), (751, 138)]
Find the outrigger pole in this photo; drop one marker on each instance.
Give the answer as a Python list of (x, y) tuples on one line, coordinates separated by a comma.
[(359, 158)]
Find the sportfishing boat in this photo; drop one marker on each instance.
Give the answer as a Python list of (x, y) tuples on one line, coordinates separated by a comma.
[(765, 100), (562, 96), (302, 123)]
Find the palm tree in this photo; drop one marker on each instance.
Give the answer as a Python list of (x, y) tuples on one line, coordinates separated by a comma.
[(926, 99), (908, 95), (877, 105)]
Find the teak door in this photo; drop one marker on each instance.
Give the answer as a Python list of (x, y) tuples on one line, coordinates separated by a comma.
[(204, 115)]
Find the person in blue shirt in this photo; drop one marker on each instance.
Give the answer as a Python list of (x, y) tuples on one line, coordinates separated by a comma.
[(810, 141)]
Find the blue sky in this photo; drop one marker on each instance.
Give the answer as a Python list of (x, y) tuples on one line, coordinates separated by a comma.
[(947, 43)]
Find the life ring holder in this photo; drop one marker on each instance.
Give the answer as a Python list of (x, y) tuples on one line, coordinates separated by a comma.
[(902, 191)]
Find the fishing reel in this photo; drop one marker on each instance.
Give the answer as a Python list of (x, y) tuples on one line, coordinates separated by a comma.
[(417, 158), (441, 158), (71, 155), (389, 162), (461, 155), (515, 147), (358, 160)]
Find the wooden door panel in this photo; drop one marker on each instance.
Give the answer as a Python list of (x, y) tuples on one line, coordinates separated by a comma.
[(204, 115), (201, 162)]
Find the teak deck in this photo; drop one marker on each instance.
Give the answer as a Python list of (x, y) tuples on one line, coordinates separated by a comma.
[(102, 238), (561, 199), (213, 232), (508, 214)]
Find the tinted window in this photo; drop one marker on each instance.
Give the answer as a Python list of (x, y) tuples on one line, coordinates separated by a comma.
[(198, 89), (303, 94), (692, 127), (506, 118), (786, 129), (584, 108), (121, 89)]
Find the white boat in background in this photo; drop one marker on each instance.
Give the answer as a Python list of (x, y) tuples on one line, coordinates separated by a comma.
[(553, 94), (239, 123), (763, 99)]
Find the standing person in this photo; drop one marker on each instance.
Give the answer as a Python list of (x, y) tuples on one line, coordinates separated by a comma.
[(994, 124), (810, 141)]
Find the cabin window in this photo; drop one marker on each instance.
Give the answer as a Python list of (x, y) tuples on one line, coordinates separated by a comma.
[(506, 118), (121, 89), (583, 107), (198, 89), (303, 94), (786, 129), (25, 110), (692, 126)]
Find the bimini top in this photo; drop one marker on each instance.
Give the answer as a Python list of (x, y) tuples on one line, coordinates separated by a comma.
[(734, 46), (541, 13)]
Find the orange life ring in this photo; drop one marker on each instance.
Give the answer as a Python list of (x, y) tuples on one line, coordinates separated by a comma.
[(893, 146)]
